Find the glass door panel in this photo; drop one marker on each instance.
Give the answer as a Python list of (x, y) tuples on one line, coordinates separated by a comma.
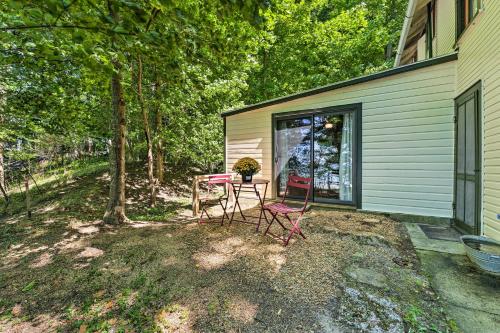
[(332, 167), (293, 152)]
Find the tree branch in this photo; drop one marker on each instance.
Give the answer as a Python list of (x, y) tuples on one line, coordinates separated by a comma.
[(63, 11), (65, 26)]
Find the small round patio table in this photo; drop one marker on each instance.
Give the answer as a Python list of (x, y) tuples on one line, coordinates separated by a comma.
[(239, 186)]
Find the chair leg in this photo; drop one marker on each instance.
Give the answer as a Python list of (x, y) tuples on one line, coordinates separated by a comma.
[(204, 210), (241, 212), (295, 229), (280, 223), (223, 211), (270, 223), (262, 212), (200, 221)]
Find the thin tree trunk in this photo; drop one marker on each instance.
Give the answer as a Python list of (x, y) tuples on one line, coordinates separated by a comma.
[(4, 192), (2, 170), (147, 132), (28, 196), (160, 156), (115, 210)]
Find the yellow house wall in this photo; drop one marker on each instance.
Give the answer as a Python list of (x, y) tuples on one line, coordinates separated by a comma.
[(479, 60), (408, 138), (445, 27)]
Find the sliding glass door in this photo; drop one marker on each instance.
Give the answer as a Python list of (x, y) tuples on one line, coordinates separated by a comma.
[(293, 151), (332, 165), (320, 145)]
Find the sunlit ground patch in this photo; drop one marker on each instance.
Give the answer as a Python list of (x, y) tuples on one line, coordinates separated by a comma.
[(48, 208), (87, 229), (19, 251), (173, 318), (171, 261), (70, 243), (221, 252), (191, 225), (277, 260), (242, 310), (91, 252), (49, 221), (41, 324), (43, 260), (210, 261)]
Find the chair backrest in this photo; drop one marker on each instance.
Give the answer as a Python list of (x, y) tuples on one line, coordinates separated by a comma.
[(222, 178), (298, 182), (218, 180)]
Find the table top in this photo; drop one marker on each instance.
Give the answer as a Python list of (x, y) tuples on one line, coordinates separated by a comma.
[(253, 182)]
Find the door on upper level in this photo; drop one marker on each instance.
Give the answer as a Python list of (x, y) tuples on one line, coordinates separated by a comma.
[(468, 161)]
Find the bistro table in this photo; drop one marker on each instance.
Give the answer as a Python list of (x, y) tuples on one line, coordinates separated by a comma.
[(239, 186)]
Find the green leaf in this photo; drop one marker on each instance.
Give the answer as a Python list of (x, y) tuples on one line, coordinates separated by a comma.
[(29, 286)]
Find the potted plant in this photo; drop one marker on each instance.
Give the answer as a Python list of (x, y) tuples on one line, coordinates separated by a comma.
[(246, 167)]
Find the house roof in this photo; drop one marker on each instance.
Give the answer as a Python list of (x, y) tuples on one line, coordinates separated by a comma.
[(346, 83), (413, 28)]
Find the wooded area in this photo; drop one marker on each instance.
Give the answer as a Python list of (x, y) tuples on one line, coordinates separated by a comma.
[(146, 81)]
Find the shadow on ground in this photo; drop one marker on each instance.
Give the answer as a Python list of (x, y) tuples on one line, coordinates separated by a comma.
[(64, 270)]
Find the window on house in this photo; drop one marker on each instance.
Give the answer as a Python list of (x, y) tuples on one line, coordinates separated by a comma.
[(466, 11)]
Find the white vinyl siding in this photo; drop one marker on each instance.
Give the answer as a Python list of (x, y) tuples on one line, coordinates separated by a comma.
[(408, 138), (479, 59), (445, 27)]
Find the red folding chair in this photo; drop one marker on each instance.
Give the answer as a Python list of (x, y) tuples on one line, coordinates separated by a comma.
[(281, 209), (215, 186)]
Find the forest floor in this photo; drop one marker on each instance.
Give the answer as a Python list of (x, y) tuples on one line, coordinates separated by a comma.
[(63, 270)]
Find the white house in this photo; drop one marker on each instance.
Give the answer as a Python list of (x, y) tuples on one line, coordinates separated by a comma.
[(422, 138)]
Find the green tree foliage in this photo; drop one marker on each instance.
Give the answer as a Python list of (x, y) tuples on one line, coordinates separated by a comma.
[(306, 44), (199, 58)]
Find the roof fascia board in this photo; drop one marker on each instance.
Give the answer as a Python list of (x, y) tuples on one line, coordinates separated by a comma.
[(342, 84), (410, 10)]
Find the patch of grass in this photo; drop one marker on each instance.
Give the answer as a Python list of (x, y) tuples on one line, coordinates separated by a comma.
[(30, 286), (452, 324), (160, 213), (413, 319), (50, 186)]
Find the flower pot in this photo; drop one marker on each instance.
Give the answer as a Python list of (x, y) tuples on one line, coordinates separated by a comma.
[(247, 178)]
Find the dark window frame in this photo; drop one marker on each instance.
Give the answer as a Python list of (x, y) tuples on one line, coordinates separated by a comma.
[(356, 108), (430, 28), (465, 15)]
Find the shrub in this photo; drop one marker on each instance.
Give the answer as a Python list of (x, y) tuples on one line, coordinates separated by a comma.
[(246, 166)]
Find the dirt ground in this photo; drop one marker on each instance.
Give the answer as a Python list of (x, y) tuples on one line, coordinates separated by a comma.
[(64, 270)]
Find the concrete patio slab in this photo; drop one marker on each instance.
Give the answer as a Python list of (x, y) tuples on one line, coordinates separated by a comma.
[(470, 297), (422, 242)]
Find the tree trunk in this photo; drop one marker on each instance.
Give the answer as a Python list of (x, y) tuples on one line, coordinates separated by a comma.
[(28, 196), (2, 173), (115, 210), (90, 147), (147, 132), (160, 156), (2, 170)]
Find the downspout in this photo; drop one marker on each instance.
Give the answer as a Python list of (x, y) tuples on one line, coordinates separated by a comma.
[(404, 32)]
